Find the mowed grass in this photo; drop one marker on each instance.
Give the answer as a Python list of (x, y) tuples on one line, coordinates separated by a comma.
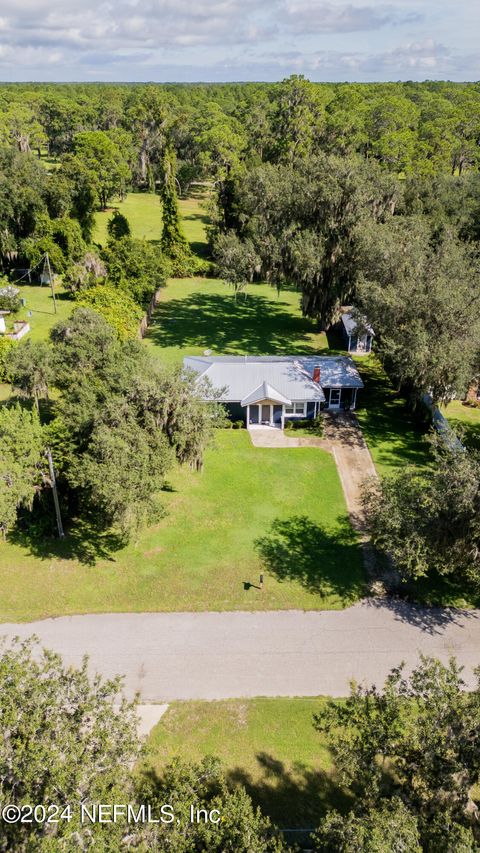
[(395, 438), (39, 302), (196, 314), (268, 745), (466, 420), (201, 554), (144, 213)]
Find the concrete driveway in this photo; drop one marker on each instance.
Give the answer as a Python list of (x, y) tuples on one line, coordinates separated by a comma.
[(167, 656)]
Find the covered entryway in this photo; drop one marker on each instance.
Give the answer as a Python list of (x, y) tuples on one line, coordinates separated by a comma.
[(253, 415), (265, 407)]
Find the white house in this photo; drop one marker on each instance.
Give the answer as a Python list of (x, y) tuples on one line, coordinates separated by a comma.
[(268, 390)]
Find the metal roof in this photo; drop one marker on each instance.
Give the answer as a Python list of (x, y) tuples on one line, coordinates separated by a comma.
[(265, 392), (289, 376), (351, 324)]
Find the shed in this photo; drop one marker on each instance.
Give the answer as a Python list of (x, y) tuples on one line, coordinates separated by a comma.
[(358, 334)]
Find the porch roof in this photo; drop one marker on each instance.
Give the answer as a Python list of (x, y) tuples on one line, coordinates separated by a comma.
[(265, 391)]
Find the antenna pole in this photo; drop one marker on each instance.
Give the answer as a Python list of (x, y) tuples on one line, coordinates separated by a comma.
[(47, 261), (55, 494)]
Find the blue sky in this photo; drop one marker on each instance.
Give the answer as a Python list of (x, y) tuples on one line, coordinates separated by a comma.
[(217, 40)]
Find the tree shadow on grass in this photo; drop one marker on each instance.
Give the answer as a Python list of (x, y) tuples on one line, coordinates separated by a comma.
[(85, 542), (295, 797), (323, 561), (387, 422), (215, 321)]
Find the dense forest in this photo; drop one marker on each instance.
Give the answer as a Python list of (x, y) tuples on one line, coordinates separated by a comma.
[(354, 192)]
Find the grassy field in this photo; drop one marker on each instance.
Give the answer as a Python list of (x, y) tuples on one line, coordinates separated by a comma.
[(197, 314), (393, 435), (201, 555), (144, 213), (39, 302), (268, 745), (466, 421)]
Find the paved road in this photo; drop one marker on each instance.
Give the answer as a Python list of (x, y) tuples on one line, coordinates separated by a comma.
[(167, 656)]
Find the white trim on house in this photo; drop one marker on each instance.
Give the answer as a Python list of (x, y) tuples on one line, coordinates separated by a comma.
[(299, 386), (337, 401), (363, 342), (298, 410)]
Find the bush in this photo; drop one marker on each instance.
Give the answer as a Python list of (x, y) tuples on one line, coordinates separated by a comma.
[(9, 298), (237, 425), (6, 346), (313, 425), (118, 308)]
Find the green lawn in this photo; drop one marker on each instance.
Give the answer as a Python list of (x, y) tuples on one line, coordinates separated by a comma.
[(268, 745), (40, 303), (201, 554), (144, 213), (466, 420), (393, 435), (197, 314)]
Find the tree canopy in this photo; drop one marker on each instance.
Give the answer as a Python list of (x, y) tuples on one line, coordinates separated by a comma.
[(429, 521), (78, 743), (411, 751)]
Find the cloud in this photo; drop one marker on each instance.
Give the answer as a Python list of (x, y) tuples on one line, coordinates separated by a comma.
[(239, 39), (130, 23), (420, 60), (303, 16)]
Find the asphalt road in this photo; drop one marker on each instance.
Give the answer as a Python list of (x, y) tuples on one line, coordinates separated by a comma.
[(167, 656)]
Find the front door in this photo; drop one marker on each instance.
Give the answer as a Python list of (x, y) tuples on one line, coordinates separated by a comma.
[(335, 396), (266, 414), (277, 415)]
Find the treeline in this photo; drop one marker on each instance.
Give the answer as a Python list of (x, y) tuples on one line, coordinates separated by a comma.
[(412, 127)]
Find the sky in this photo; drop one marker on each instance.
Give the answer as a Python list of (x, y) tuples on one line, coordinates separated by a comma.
[(225, 40)]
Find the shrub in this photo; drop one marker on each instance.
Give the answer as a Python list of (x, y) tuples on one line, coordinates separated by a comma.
[(237, 425), (9, 298), (6, 346), (117, 307), (313, 425)]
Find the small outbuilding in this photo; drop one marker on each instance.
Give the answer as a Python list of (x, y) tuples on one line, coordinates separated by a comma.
[(357, 333)]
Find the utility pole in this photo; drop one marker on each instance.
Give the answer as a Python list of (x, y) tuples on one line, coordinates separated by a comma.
[(55, 494), (50, 275)]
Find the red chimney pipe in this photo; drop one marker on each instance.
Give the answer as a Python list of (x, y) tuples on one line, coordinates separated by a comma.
[(316, 374)]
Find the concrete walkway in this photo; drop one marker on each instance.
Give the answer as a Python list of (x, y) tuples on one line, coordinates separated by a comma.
[(272, 437), (167, 656)]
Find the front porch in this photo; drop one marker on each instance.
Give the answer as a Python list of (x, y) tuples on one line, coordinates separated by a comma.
[(268, 413), (265, 414)]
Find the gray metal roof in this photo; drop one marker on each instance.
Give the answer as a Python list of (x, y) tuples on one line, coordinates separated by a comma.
[(291, 376), (265, 392), (351, 324)]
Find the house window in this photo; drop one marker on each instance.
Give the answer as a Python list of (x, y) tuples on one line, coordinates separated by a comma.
[(295, 409)]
